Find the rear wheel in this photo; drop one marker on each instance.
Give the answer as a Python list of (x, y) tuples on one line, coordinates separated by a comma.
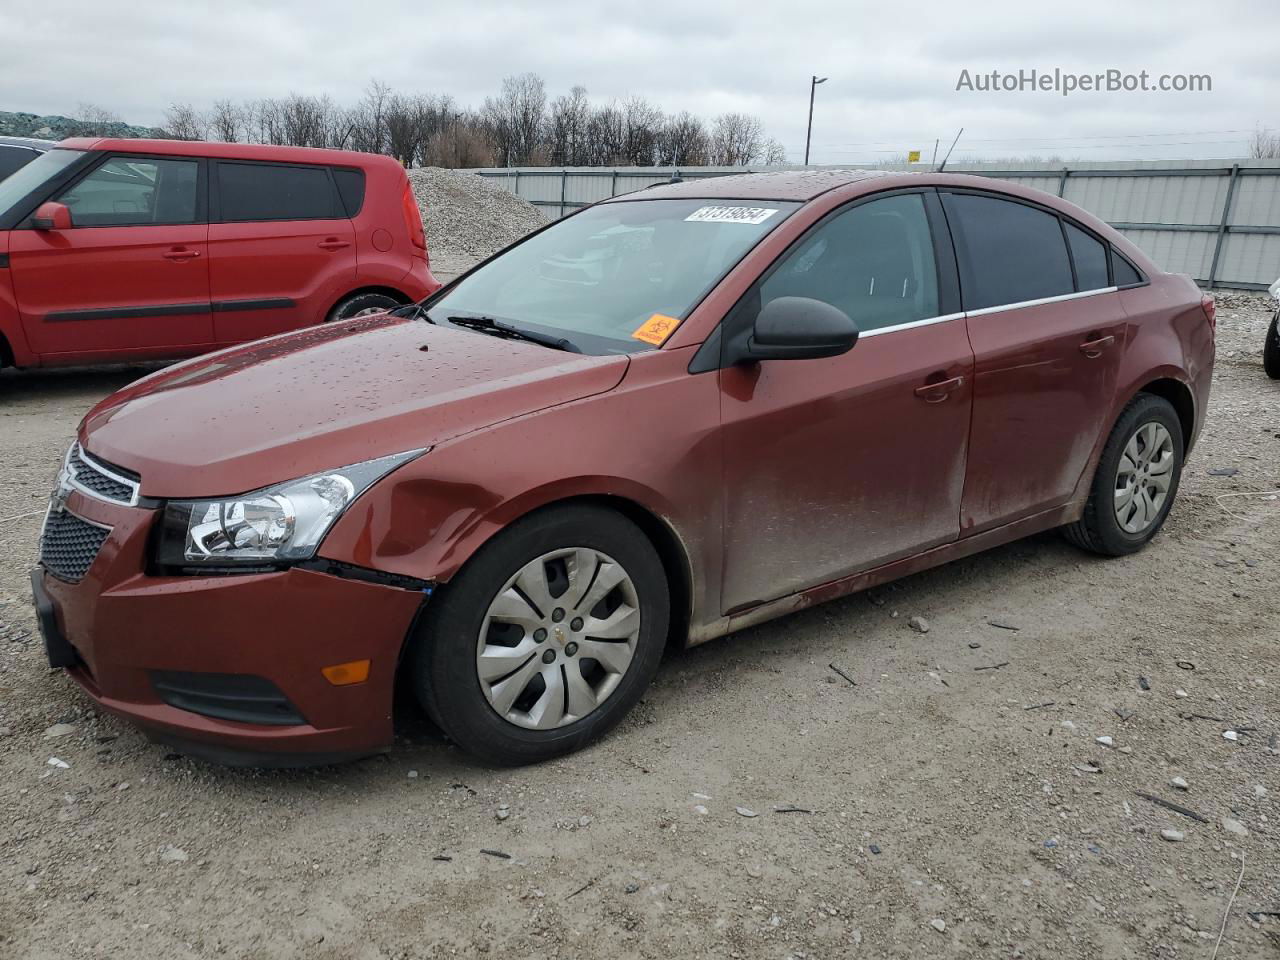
[(1136, 480), (546, 638), (1271, 349), (363, 305)]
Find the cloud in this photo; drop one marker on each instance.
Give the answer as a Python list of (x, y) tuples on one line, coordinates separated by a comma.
[(893, 67)]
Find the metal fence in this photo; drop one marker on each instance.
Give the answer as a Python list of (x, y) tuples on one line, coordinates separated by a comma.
[(1217, 220)]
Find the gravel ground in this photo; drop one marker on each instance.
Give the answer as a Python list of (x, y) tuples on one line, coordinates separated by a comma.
[(468, 218), (956, 802)]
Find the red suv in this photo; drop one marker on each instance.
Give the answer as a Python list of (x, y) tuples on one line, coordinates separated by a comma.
[(667, 417), (116, 250)]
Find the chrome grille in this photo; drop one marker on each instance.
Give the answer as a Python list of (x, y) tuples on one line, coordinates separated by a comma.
[(99, 479), (69, 545)]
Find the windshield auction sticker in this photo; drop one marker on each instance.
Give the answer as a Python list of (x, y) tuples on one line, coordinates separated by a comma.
[(656, 329), (731, 215)]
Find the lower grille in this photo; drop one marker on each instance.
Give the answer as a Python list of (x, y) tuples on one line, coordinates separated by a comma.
[(69, 545), (226, 696)]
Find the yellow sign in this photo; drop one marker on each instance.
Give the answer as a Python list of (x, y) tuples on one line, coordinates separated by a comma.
[(913, 156), (656, 329)]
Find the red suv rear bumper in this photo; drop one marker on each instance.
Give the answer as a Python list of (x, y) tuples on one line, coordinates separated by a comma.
[(130, 631)]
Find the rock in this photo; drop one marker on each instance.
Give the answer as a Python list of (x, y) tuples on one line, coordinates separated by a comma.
[(1259, 791), (1224, 471), (1234, 826), (1106, 741), (875, 850), (938, 924), (171, 854), (584, 821), (1067, 724), (467, 217), (699, 809), (1180, 694), (975, 646), (631, 888), (413, 774), (502, 813), (1230, 735), (1173, 836), (59, 730), (1051, 843), (60, 764), (1144, 683), (1179, 784), (746, 812), (753, 870)]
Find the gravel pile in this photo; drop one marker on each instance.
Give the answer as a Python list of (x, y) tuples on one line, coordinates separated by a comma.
[(467, 217)]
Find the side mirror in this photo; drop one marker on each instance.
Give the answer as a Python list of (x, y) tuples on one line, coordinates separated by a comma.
[(800, 328), (52, 216)]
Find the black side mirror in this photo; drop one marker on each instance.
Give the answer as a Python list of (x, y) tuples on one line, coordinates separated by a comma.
[(799, 328)]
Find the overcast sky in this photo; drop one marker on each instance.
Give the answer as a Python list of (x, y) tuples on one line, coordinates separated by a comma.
[(893, 66)]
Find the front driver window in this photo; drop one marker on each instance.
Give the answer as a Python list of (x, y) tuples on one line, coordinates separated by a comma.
[(873, 261), (129, 191)]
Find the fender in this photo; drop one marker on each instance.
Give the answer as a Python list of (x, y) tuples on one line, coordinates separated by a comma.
[(10, 319)]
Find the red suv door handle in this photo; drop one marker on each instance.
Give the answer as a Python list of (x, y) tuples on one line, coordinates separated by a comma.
[(333, 243), (180, 253), (1093, 348), (939, 391)]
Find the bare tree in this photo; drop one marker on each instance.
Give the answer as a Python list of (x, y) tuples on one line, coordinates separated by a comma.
[(460, 144), (516, 117), (567, 128), (737, 140), (183, 122), (369, 119), (773, 153), (641, 126), (606, 136), (227, 121), (1264, 145), (92, 120), (683, 140)]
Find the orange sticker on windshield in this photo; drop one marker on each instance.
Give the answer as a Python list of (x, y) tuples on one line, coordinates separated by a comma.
[(656, 329)]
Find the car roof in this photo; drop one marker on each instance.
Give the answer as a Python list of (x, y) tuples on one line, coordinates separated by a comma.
[(33, 143), (228, 151)]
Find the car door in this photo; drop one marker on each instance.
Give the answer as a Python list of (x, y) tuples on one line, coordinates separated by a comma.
[(1048, 333), (131, 275), (282, 250), (837, 465)]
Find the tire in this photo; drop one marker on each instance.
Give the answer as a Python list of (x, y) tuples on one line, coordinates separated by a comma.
[(1099, 529), (362, 303), (1271, 349), (445, 656)]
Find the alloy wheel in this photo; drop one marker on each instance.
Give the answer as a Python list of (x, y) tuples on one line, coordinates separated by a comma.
[(558, 638), (1143, 477)]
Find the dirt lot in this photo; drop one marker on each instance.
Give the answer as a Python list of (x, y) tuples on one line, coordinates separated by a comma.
[(955, 802)]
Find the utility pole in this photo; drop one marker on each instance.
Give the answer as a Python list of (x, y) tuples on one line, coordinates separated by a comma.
[(814, 80)]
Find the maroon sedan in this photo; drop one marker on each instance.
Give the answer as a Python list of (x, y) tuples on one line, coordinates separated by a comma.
[(668, 417)]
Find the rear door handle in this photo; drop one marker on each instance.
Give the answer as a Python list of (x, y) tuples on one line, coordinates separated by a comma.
[(180, 253), (1093, 348), (333, 243), (939, 391)]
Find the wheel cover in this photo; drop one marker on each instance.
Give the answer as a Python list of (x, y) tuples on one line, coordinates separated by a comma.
[(1144, 477), (558, 638)]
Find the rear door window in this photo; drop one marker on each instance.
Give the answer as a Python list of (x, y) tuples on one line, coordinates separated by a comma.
[(1009, 252), (135, 191), (266, 191), (873, 261), (1089, 256), (13, 159)]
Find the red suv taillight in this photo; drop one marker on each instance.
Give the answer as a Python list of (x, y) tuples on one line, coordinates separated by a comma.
[(413, 222), (1210, 310)]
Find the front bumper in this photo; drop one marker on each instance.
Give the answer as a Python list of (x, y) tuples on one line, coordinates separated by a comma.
[(117, 628)]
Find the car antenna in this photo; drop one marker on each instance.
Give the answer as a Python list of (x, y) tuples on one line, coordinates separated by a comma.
[(948, 156)]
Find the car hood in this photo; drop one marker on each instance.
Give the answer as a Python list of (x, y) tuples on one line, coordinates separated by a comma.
[(293, 405)]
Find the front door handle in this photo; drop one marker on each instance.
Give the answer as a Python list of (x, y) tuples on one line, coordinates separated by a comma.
[(939, 391), (180, 254), (1093, 348), (333, 243)]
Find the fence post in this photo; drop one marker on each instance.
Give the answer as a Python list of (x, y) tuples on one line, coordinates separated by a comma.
[(613, 184), (1062, 181), (564, 182), (516, 188), (1222, 225)]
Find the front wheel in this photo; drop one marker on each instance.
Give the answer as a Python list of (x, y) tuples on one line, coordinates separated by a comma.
[(1271, 349), (1136, 480), (546, 638)]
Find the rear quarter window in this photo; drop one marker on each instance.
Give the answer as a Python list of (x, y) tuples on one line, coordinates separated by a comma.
[(350, 189), (250, 192), (1090, 257), (1009, 252), (1126, 274)]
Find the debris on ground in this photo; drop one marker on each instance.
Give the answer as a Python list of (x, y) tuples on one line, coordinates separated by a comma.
[(469, 217)]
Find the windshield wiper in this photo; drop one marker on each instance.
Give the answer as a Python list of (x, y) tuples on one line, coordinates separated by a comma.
[(501, 328)]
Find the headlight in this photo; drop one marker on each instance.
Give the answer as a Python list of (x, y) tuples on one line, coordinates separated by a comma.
[(276, 524)]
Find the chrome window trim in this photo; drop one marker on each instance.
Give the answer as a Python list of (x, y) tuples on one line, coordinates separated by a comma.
[(1035, 303), (70, 473), (928, 321)]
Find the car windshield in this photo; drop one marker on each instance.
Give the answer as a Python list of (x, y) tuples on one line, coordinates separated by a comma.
[(617, 277), (43, 167)]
